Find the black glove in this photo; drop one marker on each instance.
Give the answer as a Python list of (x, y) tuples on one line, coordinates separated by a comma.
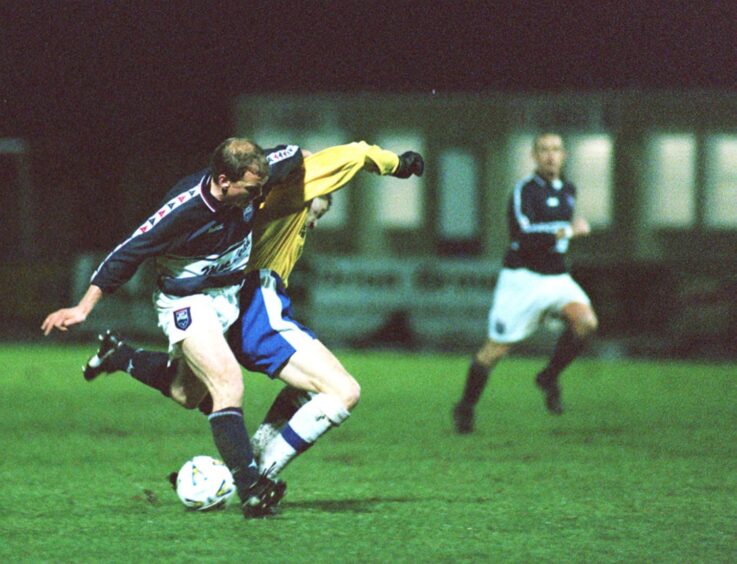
[(409, 163)]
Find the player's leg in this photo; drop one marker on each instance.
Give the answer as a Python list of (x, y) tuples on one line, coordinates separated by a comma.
[(195, 327), (210, 359), (155, 369), (484, 361), (315, 369), (267, 339), (151, 368), (513, 316), (581, 323), (284, 406)]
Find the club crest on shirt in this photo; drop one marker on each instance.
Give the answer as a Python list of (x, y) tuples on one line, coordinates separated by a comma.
[(248, 213), (182, 318), (552, 202)]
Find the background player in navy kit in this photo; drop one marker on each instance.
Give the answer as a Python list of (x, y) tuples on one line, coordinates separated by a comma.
[(202, 232), (534, 280)]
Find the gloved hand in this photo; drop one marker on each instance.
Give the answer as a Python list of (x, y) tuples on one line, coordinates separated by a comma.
[(409, 163)]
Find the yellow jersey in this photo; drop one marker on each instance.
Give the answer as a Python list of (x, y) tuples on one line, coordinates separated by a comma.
[(279, 228)]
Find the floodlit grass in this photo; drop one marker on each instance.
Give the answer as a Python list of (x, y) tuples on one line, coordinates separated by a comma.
[(641, 468)]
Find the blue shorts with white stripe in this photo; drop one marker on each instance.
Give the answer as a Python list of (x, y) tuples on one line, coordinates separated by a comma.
[(266, 335)]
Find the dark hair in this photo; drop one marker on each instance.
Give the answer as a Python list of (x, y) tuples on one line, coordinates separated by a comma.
[(234, 156)]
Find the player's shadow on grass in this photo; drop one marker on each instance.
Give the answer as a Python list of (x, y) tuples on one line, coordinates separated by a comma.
[(348, 505), (586, 432), (366, 505)]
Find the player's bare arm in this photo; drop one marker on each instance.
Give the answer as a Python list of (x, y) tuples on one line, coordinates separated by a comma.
[(579, 228), (63, 318)]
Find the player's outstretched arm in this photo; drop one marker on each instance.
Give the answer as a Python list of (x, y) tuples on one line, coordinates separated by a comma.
[(63, 318)]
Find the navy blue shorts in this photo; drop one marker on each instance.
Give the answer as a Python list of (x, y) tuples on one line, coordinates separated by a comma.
[(266, 336)]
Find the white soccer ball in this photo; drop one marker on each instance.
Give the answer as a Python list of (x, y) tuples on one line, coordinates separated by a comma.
[(204, 483)]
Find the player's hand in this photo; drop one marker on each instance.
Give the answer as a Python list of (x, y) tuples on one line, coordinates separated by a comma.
[(62, 319), (580, 227), (410, 163)]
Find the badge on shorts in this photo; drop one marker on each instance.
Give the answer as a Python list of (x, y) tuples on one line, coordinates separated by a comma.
[(182, 319), (500, 328)]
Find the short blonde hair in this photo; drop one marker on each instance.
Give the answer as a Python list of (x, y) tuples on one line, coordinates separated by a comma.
[(234, 156), (539, 136)]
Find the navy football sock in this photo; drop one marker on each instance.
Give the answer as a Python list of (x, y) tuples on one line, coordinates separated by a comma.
[(475, 383), (152, 369), (231, 439), (120, 358), (568, 347)]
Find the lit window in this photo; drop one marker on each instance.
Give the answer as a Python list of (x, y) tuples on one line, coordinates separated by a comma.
[(589, 167), (520, 154), (399, 201), (721, 181), (670, 181), (457, 198)]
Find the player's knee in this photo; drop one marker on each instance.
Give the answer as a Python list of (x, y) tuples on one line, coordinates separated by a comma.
[(186, 400), (191, 403), (178, 395), (585, 326), (350, 393), (491, 353)]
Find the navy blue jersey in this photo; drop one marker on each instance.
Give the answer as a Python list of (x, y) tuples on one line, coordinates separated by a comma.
[(193, 236), (537, 210)]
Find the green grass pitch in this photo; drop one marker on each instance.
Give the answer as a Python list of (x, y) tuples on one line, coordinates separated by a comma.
[(642, 467)]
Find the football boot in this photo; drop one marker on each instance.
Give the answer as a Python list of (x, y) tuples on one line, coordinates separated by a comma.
[(96, 365), (551, 391), (463, 418)]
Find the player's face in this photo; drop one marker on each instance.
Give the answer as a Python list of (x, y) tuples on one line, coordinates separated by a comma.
[(318, 208), (549, 155), (241, 192)]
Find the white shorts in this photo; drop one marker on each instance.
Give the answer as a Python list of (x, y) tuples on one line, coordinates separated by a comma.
[(522, 299), (180, 317)]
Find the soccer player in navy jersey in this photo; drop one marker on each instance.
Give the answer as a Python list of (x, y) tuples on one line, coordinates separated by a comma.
[(534, 281), (266, 338), (203, 233)]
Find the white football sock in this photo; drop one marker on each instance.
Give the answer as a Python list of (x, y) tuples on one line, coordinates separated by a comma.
[(310, 422), (265, 433)]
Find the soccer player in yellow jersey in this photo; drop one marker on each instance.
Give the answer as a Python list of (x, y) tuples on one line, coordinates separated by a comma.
[(266, 338)]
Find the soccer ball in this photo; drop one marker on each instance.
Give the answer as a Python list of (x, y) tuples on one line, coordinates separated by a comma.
[(204, 483)]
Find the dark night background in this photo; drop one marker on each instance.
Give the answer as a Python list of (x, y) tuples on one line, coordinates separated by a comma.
[(90, 83)]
